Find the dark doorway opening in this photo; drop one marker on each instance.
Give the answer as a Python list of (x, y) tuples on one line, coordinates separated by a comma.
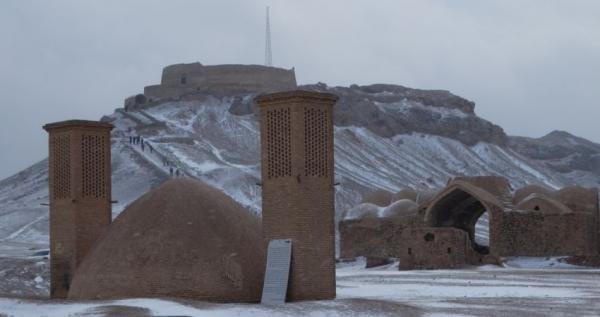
[(459, 209)]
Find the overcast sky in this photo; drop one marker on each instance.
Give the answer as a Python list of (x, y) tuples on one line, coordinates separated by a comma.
[(530, 66)]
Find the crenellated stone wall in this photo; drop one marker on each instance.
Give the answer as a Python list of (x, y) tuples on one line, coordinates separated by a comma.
[(181, 79)]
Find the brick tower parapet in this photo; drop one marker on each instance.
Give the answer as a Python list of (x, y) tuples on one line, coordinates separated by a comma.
[(79, 182), (296, 129)]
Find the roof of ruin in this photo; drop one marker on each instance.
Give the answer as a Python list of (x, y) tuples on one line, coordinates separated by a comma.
[(527, 190), (296, 94), (495, 185), (182, 239), (77, 123), (481, 194), (447, 196), (380, 197), (537, 202), (405, 193), (223, 66), (424, 197), (578, 199), (400, 208), (362, 211)]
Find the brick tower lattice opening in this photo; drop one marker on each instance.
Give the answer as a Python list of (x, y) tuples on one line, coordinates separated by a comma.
[(296, 130), (80, 195)]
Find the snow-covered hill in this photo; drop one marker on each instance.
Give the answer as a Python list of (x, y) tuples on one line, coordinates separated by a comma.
[(202, 137)]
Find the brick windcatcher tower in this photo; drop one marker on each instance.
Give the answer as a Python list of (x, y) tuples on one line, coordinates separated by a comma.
[(80, 194), (296, 129)]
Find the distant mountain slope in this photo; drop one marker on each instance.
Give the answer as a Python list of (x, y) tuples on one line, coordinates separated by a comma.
[(386, 137), (389, 110), (576, 158)]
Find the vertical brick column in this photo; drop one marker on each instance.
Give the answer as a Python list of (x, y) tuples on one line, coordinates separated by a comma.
[(296, 130), (80, 194)]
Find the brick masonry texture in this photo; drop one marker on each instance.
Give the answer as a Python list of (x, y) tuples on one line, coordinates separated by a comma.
[(540, 234), (532, 221), (373, 237), (297, 186), (434, 248), (79, 190), (181, 79), (181, 239)]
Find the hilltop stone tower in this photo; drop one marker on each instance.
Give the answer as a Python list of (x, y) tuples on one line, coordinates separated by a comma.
[(296, 129), (80, 194)]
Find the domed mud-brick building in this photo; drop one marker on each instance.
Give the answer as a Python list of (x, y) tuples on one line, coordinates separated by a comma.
[(439, 232), (182, 239)]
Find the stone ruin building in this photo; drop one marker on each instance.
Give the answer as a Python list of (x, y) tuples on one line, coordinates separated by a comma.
[(182, 81), (185, 238), (297, 186), (439, 231)]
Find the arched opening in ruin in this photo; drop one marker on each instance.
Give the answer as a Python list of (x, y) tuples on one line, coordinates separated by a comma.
[(461, 209), (482, 230)]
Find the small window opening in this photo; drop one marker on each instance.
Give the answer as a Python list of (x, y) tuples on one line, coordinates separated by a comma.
[(449, 250), (429, 237), (409, 251), (536, 207), (183, 80)]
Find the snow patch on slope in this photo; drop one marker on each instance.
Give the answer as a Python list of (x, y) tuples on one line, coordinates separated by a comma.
[(202, 139)]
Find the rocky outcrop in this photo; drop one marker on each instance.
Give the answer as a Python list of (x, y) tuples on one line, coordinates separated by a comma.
[(561, 152), (389, 110)]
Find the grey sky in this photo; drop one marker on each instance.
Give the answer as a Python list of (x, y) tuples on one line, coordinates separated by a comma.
[(531, 66)]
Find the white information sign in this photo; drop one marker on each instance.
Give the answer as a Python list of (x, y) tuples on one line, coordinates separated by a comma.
[(277, 274)]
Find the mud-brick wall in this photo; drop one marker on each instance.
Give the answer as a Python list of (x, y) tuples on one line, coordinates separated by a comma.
[(539, 234), (434, 248), (368, 237), (373, 237), (252, 77)]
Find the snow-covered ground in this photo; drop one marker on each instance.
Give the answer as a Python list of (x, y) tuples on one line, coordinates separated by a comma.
[(384, 291)]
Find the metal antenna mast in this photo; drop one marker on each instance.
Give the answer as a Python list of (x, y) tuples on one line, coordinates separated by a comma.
[(268, 54)]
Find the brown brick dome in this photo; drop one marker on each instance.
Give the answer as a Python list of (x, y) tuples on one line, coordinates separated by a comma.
[(527, 190), (405, 193), (380, 197), (364, 210), (542, 203), (401, 208), (182, 239)]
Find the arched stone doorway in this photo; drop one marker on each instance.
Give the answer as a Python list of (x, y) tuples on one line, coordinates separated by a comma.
[(460, 205)]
